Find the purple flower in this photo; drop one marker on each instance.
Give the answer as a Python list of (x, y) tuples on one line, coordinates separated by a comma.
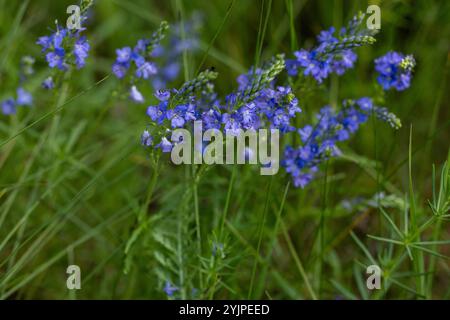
[(319, 141), (123, 55), (165, 145), (334, 53), (395, 70), (343, 61), (58, 49), (146, 139), (120, 70), (158, 113), (145, 70), (24, 98), (327, 36), (135, 95), (181, 114), (232, 123), (80, 52), (48, 83), (162, 95), (365, 103), (56, 59), (211, 119), (169, 289), (8, 106)]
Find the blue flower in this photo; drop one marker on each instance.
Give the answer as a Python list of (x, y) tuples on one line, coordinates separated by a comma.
[(170, 289), (162, 95), (123, 55), (211, 119), (24, 98), (334, 53), (158, 113), (120, 70), (45, 42), (80, 51), (146, 139), (8, 106), (56, 59), (365, 103), (165, 145), (319, 141), (181, 114), (395, 70), (135, 95)]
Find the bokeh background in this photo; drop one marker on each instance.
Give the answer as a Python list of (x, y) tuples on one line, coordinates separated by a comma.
[(72, 195)]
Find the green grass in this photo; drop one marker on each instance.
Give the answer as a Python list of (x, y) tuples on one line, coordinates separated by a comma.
[(76, 187)]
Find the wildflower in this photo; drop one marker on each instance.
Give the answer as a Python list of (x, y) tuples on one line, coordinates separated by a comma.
[(181, 114), (211, 119), (81, 50), (158, 113), (168, 54), (319, 142), (119, 70), (232, 123), (135, 95), (162, 95), (9, 106), (24, 98), (145, 69), (218, 247), (170, 289), (27, 63), (334, 53), (123, 55), (395, 70), (146, 139), (64, 48)]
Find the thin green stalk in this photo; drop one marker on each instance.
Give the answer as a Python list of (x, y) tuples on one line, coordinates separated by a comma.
[(261, 231), (227, 202), (197, 222)]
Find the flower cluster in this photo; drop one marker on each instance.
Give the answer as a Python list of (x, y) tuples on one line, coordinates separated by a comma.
[(182, 37), (395, 70), (176, 109), (256, 104), (64, 48), (319, 142), (334, 53)]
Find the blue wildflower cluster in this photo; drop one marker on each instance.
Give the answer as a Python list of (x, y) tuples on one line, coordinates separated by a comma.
[(395, 70), (23, 97), (65, 47), (57, 45), (334, 53)]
